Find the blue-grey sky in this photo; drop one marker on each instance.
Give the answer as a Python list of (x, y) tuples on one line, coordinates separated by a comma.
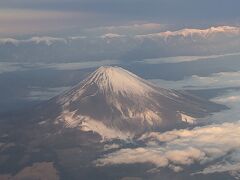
[(26, 17)]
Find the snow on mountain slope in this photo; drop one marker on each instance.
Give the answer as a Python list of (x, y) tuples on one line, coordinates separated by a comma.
[(87, 124), (204, 33), (119, 81), (187, 119), (116, 103)]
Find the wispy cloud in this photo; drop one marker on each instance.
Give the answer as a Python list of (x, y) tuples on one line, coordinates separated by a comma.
[(12, 67), (232, 100), (178, 59), (216, 80)]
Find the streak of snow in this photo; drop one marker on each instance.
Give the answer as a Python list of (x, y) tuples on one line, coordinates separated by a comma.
[(188, 119), (87, 124)]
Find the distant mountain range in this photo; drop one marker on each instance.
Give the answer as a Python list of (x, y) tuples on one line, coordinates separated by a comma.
[(113, 45)]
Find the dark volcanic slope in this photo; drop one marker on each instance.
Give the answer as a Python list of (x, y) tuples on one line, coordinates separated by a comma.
[(115, 103)]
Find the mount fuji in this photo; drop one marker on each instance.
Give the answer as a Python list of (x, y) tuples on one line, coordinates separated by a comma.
[(115, 103)]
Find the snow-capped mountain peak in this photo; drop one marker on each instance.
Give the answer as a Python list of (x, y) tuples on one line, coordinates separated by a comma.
[(118, 81), (116, 103)]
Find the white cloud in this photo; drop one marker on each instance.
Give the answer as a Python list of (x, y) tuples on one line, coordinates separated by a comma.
[(131, 156), (46, 40), (232, 100), (178, 59), (233, 169), (111, 35), (227, 99), (216, 80), (230, 164), (180, 148), (11, 67), (81, 65)]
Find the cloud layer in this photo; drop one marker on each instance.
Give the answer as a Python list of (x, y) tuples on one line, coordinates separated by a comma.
[(216, 80), (185, 42), (179, 149)]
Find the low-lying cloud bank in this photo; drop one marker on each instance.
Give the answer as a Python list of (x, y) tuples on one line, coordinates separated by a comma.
[(123, 46), (216, 80), (232, 100), (179, 149)]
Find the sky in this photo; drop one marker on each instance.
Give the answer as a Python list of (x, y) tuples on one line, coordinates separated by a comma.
[(68, 17), (65, 30)]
